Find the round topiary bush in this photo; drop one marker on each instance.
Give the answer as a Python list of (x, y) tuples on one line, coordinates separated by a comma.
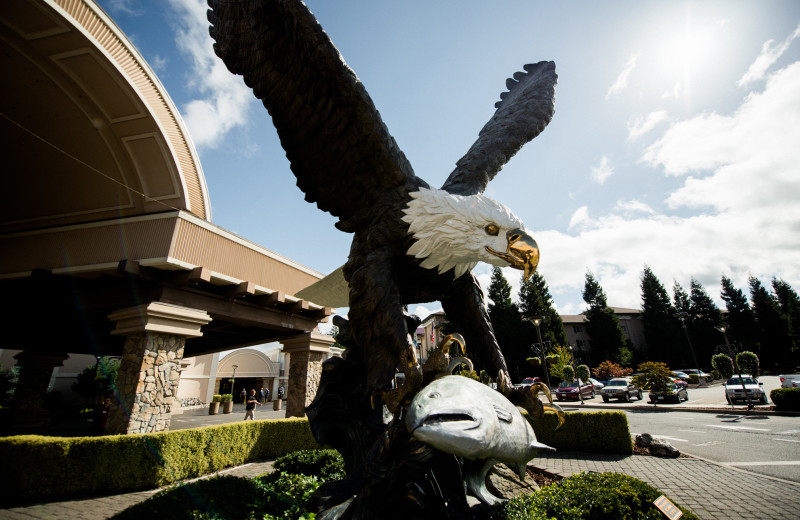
[(587, 496)]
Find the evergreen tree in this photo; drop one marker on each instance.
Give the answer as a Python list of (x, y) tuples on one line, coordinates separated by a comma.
[(683, 306), (705, 318), (741, 320), (607, 339), (507, 324), (680, 299), (535, 300), (790, 311), (773, 331), (661, 328)]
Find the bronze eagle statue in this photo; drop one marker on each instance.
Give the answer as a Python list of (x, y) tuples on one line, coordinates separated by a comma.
[(411, 243)]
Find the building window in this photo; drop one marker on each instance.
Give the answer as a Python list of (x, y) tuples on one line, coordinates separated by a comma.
[(579, 343), (577, 329)]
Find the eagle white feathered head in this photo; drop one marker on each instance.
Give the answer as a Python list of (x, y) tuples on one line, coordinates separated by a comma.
[(456, 232)]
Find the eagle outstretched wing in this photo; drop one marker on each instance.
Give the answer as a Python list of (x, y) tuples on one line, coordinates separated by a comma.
[(522, 113), (340, 150)]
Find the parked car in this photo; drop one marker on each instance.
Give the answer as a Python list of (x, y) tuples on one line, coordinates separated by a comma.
[(569, 390), (680, 383), (673, 393), (597, 384), (790, 380), (734, 391), (699, 373), (620, 388), (528, 381), (683, 376)]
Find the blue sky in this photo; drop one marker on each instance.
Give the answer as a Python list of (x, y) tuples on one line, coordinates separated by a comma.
[(675, 141)]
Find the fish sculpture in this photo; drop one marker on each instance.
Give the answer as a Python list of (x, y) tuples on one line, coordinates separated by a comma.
[(461, 416)]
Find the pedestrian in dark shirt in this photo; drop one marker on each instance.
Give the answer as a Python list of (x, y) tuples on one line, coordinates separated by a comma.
[(250, 407)]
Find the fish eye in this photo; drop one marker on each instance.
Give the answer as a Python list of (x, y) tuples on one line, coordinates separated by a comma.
[(492, 229), (434, 395)]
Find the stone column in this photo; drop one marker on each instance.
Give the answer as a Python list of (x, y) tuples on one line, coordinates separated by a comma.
[(307, 352), (34, 378), (149, 372)]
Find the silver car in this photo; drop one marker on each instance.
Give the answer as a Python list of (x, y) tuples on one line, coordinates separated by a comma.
[(620, 388)]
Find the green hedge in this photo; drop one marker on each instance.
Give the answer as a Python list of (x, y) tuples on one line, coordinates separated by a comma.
[(597, 432), (787, 399), (587, 496), (45, 468)]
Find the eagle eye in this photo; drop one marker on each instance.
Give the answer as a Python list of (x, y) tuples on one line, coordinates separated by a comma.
[(492, 229)]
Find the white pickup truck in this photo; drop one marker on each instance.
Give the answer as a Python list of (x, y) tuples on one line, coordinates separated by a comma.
[(790, 380)]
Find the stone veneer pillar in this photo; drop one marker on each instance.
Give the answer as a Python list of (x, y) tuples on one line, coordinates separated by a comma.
[(307, 352), (149, 372)]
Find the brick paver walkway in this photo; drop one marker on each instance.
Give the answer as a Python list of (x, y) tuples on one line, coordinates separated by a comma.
[(712, 491)]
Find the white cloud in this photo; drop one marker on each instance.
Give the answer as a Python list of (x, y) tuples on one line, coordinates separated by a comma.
[(674, 93), (640, 125), (743, 194), (225, 97), (769, 55), (602, 171), (622, 80), (632, 207), (580, 216)]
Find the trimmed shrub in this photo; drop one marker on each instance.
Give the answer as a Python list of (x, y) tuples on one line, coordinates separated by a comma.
[(579, 432), (590, 496), (45, 467), (694, 379), (227, 398), (786, 399), (216, 398), (323, 464)]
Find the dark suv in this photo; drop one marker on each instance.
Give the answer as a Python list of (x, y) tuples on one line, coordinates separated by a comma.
[(620, 388)]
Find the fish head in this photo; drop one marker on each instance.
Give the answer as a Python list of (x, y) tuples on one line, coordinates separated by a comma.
[(451, 415)]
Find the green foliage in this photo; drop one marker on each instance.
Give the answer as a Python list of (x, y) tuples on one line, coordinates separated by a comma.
[(97, 382), (535, 300), (694, 379), (216, 398), (587, 496), (227, 398), (486, 379), (568, 373), (8, 380), (602, 324), (507, 324), (786, 399), (579, 432), (324, 464), (661, 329), (559, 360), (723, 364), (609, 370), (45, 467), (653, 376), (747, 363), (472, 375), (582, 373), (773, 330), (741, 320)]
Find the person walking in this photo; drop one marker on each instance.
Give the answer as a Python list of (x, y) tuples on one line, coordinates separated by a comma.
[(261, 395), (243, 395), (250, 407)]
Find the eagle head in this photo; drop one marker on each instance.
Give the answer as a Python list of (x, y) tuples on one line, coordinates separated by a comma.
[(456, 232)]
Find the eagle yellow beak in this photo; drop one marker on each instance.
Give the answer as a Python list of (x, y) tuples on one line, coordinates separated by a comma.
[(522, 252)]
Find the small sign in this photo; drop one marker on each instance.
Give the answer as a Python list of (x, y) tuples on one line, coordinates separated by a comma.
[(667, 508)]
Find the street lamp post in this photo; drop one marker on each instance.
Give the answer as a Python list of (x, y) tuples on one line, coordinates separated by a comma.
[(537, 321), (682, 316), (577, 377), (729, 351), (233, 379)]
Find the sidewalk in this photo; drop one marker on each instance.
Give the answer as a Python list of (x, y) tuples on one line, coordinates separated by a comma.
[(710, 490)]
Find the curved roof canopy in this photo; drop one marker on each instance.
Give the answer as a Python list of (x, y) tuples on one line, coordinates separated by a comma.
[(89, 132)]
